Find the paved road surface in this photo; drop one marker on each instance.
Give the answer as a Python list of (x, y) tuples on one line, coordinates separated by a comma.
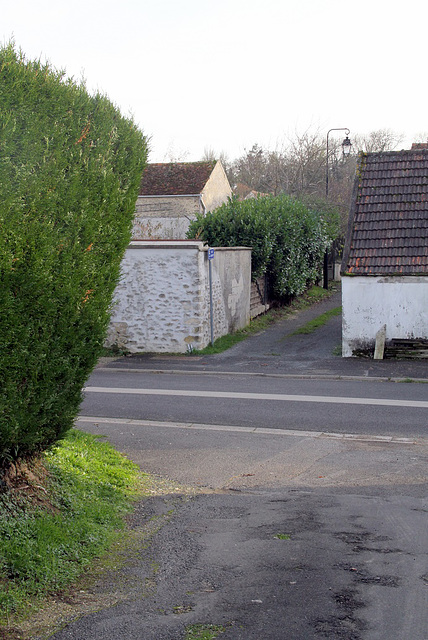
[(342, 406), (264, 524)]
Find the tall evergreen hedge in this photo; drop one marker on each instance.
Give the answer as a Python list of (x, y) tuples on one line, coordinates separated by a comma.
[(70, 168), (288, 238)]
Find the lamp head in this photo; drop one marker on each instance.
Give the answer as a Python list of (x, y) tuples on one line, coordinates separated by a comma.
[(346, 146)]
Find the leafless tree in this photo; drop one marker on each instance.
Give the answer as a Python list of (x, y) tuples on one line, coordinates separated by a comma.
[(175, 155), (298, 166), (377, 141), (421, 137), (305, 155), (210, 155), (251, 169)]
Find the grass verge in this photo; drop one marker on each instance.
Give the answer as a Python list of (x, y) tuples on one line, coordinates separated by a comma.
[(312, 295), (318, 322), (57, 514)]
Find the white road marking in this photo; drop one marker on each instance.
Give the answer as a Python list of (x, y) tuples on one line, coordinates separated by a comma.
[(364, 376), (82, 420), (385, 402)]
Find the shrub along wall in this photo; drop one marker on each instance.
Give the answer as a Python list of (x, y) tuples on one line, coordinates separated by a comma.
[(287, 237), (70, 168)]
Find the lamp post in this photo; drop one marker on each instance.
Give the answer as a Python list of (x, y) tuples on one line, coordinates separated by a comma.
[(346, 150)]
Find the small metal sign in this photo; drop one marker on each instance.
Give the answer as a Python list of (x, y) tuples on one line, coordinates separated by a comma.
[(210, 254)]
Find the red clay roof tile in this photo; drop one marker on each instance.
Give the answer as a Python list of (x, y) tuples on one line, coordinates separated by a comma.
[(388, 227), (175, 178)]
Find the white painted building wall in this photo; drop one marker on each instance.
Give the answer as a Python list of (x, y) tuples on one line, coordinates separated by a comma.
[(368, 303), (162, 302)]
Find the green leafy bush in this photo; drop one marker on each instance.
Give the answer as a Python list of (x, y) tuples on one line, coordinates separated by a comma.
[(70, 168), (287, 237), (237, 224)]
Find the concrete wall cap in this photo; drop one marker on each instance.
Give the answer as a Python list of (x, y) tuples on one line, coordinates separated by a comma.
[(179, 244), (167, 244), (227, 248)]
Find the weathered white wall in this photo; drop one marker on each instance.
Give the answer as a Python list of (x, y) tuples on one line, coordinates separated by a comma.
[(162, 302), (231, 282), (164, 217), (368, 303), (217, 189)]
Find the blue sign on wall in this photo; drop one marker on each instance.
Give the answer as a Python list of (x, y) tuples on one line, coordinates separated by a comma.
[(210, 254)]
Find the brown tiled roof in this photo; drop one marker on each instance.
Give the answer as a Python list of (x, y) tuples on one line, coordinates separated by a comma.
[(175, 178), (244, 192), (241, 190), (388, 226)]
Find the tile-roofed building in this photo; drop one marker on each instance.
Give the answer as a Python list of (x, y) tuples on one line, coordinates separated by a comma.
[(171, 194), (175, 178), (388, 228), (244, 192), (385, 261)]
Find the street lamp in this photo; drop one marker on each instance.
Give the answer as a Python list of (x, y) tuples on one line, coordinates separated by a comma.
[(346, 150)]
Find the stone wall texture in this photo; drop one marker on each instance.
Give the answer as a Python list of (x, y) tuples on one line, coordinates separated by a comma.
[(164, 218), (162, 303), (368, 303)]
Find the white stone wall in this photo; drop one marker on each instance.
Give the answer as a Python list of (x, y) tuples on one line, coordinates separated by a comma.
[(162, 303), (368, 303), (164, 217)]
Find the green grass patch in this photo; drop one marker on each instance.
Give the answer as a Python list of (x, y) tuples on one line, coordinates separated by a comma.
[(282, 536), (315, 294), (113, 352), (50, 533), (224, 343), (204, 631), (337, 351), (260, 323), (318, 322)]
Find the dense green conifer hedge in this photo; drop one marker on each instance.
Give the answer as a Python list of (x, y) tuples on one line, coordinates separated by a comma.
[(70, 168), (288, 238)]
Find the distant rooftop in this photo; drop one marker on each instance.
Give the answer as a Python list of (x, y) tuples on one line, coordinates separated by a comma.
[(244, 192), (388, 226), (175, 178)]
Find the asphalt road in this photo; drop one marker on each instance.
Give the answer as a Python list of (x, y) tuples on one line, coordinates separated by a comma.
[(295, 504), (289, 536), (342, 406)]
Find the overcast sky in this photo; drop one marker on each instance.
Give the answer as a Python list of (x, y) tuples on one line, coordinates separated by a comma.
[(225, 74)]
